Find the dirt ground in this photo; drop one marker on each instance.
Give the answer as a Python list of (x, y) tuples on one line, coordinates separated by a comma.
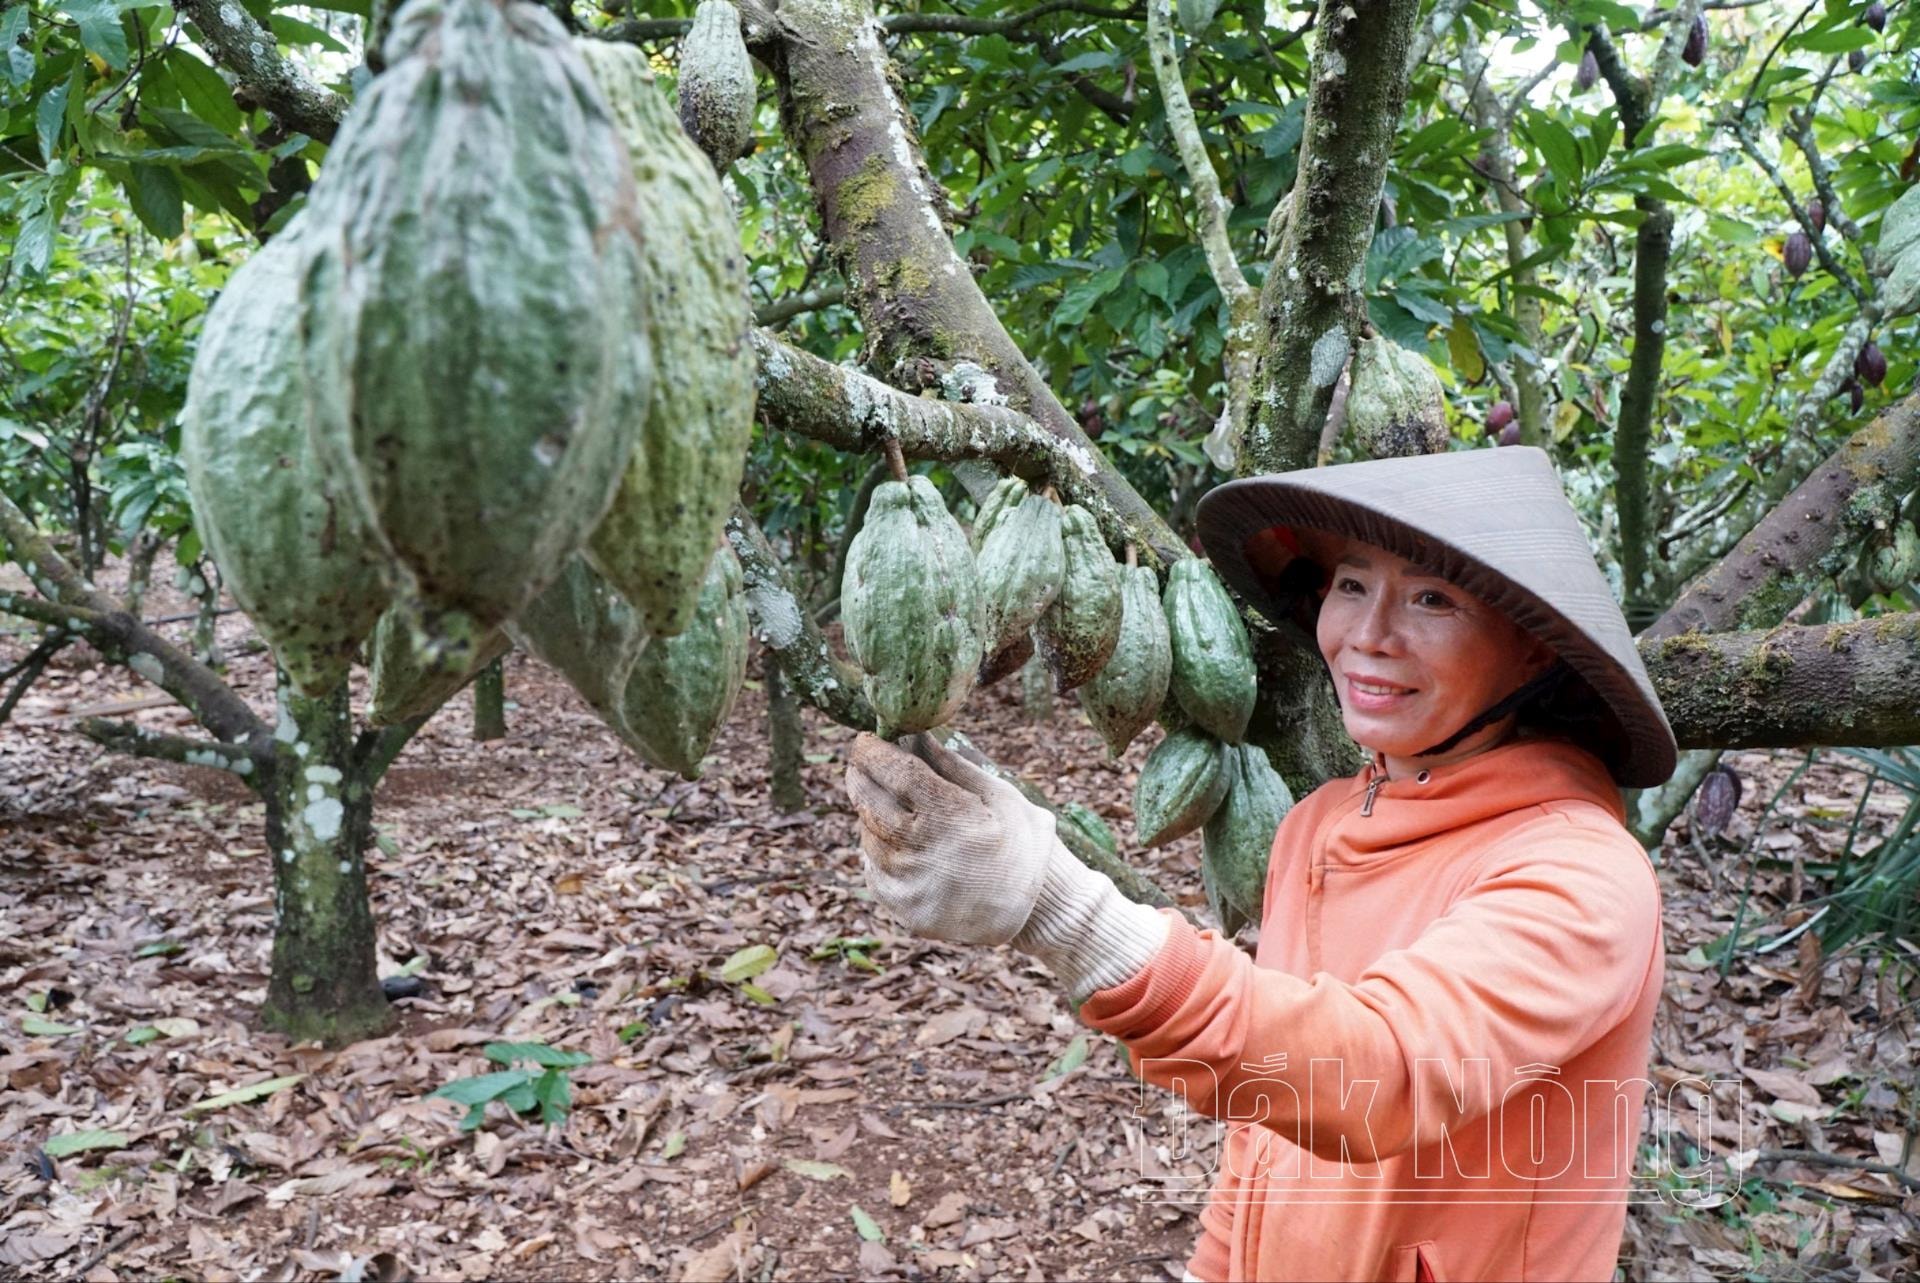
[(937, 1115)]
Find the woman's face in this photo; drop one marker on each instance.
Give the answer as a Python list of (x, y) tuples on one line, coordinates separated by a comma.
[(1414, 657)]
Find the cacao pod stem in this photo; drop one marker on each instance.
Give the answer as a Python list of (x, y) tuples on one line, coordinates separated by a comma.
[(896, 461)]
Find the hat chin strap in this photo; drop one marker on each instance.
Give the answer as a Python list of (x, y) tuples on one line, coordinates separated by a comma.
[(1545, 684)]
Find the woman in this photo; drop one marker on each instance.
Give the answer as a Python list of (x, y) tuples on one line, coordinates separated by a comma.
[(1435, 1065)]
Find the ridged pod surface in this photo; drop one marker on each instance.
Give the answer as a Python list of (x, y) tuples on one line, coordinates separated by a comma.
[(716, 83), (1087, 824), (910, 608), (1021, 563), (400, 685), (470, 315), (1005, 496), (1180, 787), (1896, 562), (684, 473), (1238, 840), (683, 687), (291, 555), (1125, 696), (1213, 673), (1196, 15), (1396, 405), (1078, 632), (586, 631)]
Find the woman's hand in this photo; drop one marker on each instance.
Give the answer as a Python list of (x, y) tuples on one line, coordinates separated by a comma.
[(951, 852)]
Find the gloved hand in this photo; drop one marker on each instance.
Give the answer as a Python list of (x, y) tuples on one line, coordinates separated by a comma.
[(956, 854)]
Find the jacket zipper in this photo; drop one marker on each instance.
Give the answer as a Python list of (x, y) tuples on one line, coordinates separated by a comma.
[(1373, 786)]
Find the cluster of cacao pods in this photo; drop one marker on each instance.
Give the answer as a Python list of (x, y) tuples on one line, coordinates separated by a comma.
[(493, 378)]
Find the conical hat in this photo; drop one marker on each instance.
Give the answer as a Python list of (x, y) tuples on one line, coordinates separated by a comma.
[(1494, 521)]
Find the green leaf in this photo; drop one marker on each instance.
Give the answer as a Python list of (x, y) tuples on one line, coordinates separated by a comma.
[(747, 963), (865, 1226), (162, 948), (154, 194), (1557, 148), (814, 1169), (204, 92), (758, 994), (1839, 40), (1071, 1059), (539, 1053), (141, 1035), (41, 1027), (481, 1088), (100, 29), (555, 1093), (675, 1144), (243, 1095), (79, 1142), (50, 118), (292, 31)]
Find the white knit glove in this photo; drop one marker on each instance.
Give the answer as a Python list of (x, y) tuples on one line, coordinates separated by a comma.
[(956, 854)]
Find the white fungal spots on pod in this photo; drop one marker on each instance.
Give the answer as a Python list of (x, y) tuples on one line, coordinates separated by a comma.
[(1328, 357)]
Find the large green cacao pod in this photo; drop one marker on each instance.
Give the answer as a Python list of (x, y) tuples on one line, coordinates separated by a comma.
[(1196, 15), (1895, 563), (1078, 632), (910, 608), (472, 326), (1396, 405), (1238, 840), (716, 83), (1021, 564), (1213, 672), (1180, 787), (402, 684), (1004, 496), (682, 688), (1124, 697), (681, 480), (1088, 825), (288, 549), (587, 632)]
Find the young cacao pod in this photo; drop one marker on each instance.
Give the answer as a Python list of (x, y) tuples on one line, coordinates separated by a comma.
[(1002, 499), (684, 473), (1856, 59), (1089, 826), (1078, 632), (1875, 16), (1897, 562), (682, 688), (289, 550), (400, 685), (1509, 435), (1817, 215), (1694, 51), (1395, 405), (1213, 673), (1588, 73), (583, 629), (1856, 396), (470, 318), (1238, 841), (1871, 365), (1797, 253), (1022, 561), (716, 83), (1180, 787), (1124, 697), (1499, 416), (1196, 15), (1716, 800), (910, 608)]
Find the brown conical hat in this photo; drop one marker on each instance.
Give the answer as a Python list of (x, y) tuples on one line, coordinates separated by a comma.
[(1494, 521)]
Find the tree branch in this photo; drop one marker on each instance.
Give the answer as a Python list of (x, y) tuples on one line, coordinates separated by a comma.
[(1445, 14), (1827, 262), (29, 669), (965, 25), (376, 747), (781, 310), (267, 78), (126, 737)]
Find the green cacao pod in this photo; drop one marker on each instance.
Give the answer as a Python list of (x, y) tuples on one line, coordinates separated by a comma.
[(682, 688), (1003, 497), (1396, 405), (1090, 826), (1197, 15), (1124, 697), (1180, 787), (401, 685), (1213, 672), (1238, 840), (1900, 227), (290, 552), (472, 327), (910, 608), (1897, 562), (583, 629), (684, 473), (1021, 564), (716, 83), (1078, 632)]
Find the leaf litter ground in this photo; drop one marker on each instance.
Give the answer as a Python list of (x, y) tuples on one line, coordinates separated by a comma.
[(941, 1117)]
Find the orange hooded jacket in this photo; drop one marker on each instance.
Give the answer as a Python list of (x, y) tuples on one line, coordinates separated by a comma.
[(1435, 1065)]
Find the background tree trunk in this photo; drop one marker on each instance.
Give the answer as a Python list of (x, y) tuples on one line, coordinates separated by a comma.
[(490, 701), (787, 737)]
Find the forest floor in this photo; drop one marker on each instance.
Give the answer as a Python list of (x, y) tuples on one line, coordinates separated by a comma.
[(939, 1116)]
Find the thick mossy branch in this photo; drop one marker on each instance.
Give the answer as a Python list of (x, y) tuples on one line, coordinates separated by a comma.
[(267, 79), (1311, 306), (803, 394), (1792, 687), (137, 741), (1809, 535), (885, 216)]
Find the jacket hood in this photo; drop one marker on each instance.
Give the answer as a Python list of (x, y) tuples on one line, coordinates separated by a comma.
[(1510, 777)]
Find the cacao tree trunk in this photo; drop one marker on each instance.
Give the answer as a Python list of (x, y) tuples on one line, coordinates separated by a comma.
[(490, 701), (1036, 691), (319, 796), (786, 734)]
